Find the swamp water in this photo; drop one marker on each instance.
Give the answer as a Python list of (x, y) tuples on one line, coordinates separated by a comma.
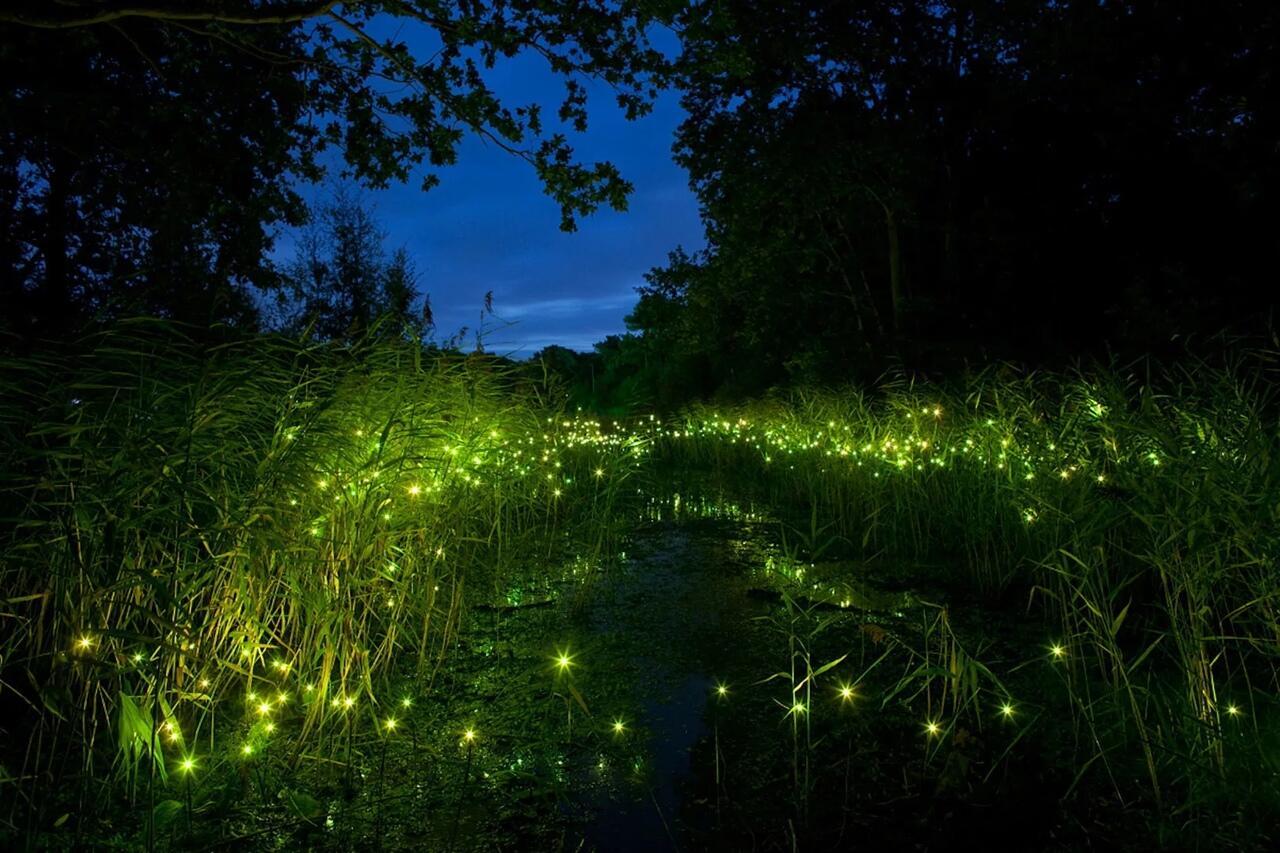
[(702, 692)]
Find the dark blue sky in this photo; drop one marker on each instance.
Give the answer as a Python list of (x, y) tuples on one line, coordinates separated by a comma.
[(488, 226)]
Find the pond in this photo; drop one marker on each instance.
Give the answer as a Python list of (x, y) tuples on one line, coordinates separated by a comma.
[(704, 690)]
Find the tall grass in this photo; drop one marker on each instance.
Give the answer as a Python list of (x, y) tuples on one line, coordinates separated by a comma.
[(256, 536), (1137, 513)]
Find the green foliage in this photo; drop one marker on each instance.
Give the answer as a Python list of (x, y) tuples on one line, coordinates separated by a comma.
[(146, 170), (942, 184)]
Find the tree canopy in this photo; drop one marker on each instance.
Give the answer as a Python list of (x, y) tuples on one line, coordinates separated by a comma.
[(926, 183), (147, 168)]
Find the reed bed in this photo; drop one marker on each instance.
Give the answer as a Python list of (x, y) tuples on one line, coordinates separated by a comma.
[(213, 550), (1135, 512)]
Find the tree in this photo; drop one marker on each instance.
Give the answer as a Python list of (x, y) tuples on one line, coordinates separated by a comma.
[(928, 183), (342, 284), (149, 149)]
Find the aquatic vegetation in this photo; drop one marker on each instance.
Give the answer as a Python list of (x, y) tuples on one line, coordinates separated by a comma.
[(231, 569)]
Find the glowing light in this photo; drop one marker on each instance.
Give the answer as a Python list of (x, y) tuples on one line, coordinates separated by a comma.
[(932, 729), (599, 472), (390, 724), (1006, 710), (264, 708), (415, 490), (187, 764), (269, 728), (85, 643), (722, 690), (469, 735), (1233, 710), (564, 660), (798, 708), (406, 702), (204, 684), (1059, 652), (247, 749), (619, 726), (846, 692)]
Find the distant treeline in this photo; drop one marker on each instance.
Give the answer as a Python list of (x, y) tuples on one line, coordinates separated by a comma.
[(935, 185), (922, 187)]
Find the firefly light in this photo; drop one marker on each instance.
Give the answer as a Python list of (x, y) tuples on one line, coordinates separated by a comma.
[(619, 726)]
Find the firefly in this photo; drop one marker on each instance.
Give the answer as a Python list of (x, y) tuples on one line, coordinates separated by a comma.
[(391, 724), (85, 643), (564, 660), (1057, 651), (188, 764), (469, 735), (932, 728), (619, 726), (1006, 710), (1233, 710), (846, 692), (722, 690)]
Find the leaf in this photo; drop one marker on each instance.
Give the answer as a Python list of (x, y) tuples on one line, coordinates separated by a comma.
[(578, 697), (828, 665), (303, 804), (1119, 620), (165, 812)]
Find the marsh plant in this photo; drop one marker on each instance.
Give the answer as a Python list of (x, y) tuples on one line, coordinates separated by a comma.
[(232, 558)]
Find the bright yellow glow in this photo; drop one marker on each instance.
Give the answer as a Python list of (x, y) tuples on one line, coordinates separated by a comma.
[(264, 708), (619, 726), (1006, 710), (269, 728), (469, 735), (846, 692), (247, 749), (1058, 651), (85, 643), (415, 490), (798, 708), (188, 764), (390, 724), (563, 659), (932, 728), (722, 689), (406, 702), (1233, 710)]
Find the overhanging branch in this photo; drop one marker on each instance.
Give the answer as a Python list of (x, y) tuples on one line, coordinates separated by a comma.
[(240, 14)]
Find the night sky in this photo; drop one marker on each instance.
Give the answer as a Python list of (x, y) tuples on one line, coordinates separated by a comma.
[(489, 226)]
